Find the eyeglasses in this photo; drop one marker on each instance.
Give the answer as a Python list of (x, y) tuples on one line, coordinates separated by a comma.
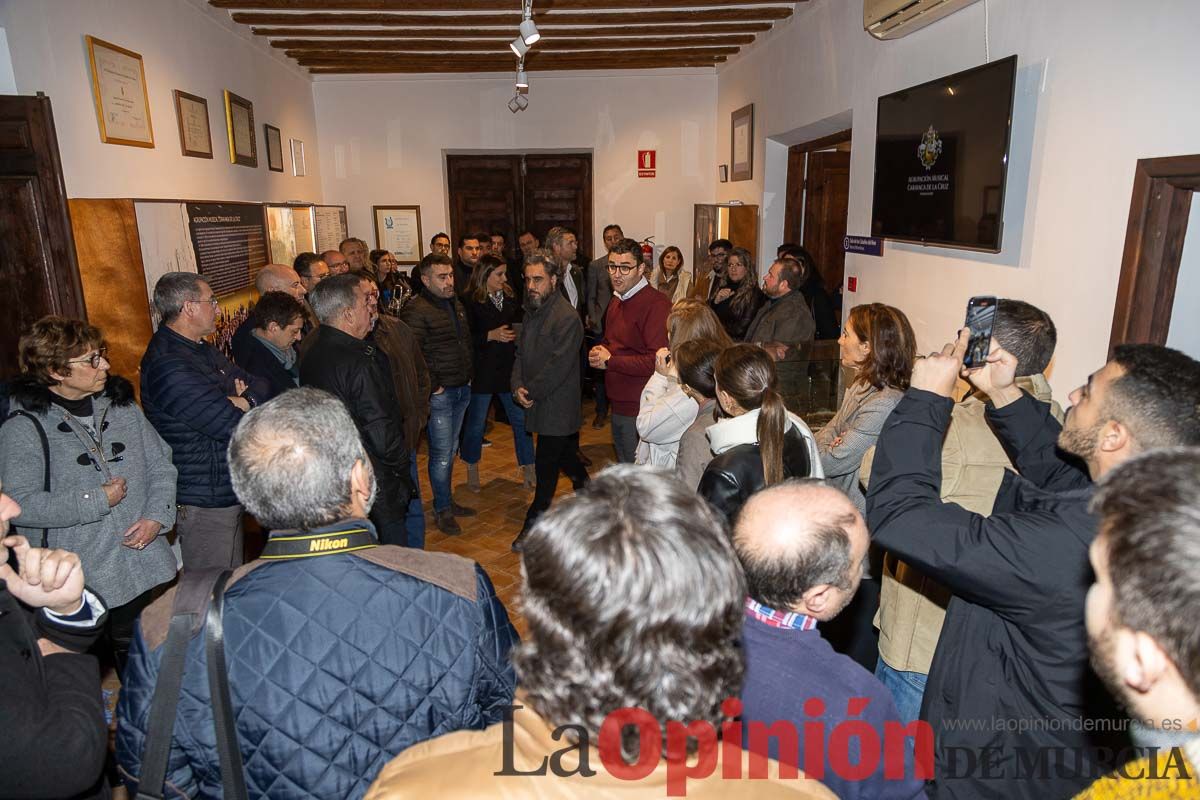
[(212, 301), (624, 269), (94, 359)]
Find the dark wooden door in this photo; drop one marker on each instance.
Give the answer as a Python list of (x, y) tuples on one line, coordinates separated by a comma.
[(38, 271), (512, 193), (826, 205)]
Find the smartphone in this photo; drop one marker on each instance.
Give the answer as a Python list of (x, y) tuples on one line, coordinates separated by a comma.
[(981, 316)]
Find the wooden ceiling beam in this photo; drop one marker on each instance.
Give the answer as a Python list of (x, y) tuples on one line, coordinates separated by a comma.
[(486, 62), (507, 34), (426, 67), (649, 17), (459, 6), (298, 47)]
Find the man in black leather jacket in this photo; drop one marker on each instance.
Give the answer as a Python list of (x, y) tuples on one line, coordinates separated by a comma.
[(50, 711), (357, 372)]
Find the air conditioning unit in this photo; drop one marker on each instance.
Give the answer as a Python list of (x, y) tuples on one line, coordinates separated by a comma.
[(891, 19)]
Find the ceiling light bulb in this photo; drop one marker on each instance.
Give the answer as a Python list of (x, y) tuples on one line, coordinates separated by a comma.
[(522, 79), (529, 32), (519, 47), (512, 105)]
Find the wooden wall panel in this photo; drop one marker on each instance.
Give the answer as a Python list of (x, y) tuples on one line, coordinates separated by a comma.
[(114, 285)]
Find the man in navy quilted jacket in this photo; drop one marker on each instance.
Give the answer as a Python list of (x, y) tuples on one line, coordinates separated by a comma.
[(194, 397), (341, 652)]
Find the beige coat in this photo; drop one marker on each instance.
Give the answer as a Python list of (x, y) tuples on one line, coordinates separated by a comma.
[(911, 606), (462, 765)]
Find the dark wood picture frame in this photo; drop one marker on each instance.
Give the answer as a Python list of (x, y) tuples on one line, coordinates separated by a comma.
[(193, 98), (742, 118), (250, 160), (274, 147), (1158, 218)]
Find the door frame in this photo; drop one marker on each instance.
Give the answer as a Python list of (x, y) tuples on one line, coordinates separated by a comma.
[(793, 213), (1158, 218)]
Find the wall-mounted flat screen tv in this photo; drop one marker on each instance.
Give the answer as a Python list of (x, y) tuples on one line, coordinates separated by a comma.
[(941, 156)]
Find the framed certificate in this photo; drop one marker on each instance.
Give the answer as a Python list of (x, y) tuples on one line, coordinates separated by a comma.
[(195, 136), (274, 148), (239, 124), (742, 144), (298, 168), (119, 88), (398, 229)]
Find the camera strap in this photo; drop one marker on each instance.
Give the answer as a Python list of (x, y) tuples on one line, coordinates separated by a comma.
[(283, 546)]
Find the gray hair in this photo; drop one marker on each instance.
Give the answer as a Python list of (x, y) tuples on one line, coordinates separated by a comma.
[(173, 290), (545, 259), (332, 296), (290, 460)]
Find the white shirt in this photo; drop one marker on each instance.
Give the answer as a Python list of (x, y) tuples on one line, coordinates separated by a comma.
[(569, 285), (637, 287)]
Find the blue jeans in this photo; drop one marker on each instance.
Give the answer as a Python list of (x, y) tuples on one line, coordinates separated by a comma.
[(472, 441), (907, 689), (414, 520), (446, 412)]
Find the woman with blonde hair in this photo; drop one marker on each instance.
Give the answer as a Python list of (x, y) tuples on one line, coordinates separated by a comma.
[(665, 410), (760, 442), (670, 277), (737, 297)]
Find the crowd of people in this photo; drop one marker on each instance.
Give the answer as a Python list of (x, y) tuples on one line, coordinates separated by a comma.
[(933, 594)]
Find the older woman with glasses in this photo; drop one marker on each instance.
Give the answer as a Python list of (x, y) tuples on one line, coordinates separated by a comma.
[(89, 471)]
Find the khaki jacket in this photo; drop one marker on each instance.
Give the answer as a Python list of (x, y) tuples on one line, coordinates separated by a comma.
[(911, 606), (463, 764)]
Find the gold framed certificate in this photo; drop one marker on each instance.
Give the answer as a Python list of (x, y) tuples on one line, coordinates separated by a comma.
[(239, 125), (195, 136), (119, 88)]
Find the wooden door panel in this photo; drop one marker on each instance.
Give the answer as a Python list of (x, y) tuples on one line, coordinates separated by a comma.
[(558, 191), (484, 194), (825, 210), (38, 272), (793, 219)]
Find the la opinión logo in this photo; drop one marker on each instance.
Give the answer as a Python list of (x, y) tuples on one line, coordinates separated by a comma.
[(855, 752)]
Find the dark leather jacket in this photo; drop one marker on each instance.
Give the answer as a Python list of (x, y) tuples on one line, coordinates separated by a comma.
[(358, 373), (734, 475)]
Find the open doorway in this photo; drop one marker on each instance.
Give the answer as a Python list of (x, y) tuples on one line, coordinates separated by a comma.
[(817, 204), (515, 192), (1160, 268)]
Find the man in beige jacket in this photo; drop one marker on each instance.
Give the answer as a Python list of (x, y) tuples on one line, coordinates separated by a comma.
[(911, 606), (619, 636)]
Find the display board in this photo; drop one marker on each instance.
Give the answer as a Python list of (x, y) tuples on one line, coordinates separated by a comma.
[(290, 232), (329, 225)]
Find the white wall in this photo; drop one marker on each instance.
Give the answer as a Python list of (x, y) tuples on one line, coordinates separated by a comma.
[(1101, 83), (184, 45), (383, 141)]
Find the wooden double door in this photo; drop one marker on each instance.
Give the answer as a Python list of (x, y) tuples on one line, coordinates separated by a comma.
[(517, 192)]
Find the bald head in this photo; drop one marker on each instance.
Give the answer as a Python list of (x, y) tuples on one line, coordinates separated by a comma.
[(803, 546), (279, 278)]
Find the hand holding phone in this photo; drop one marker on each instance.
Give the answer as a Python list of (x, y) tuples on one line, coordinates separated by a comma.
[(981, 318)]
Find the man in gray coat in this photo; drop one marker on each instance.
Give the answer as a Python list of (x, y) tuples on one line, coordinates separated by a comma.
[(545, 381), (784, 327)]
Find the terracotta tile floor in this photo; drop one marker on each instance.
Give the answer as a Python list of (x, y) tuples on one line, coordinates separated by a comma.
[(502, 503)]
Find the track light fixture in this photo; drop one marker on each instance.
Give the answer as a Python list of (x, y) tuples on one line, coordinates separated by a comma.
[(518, 47), (522, 78), (529, 31)]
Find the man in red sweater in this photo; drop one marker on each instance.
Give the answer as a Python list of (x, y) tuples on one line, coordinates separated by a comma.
[(635, 328)]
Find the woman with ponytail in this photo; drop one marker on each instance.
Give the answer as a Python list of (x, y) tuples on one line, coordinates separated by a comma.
[(760, 442)]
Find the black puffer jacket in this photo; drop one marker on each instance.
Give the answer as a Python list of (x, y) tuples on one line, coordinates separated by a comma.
[(444, 334), (358, 373), (734, 475)]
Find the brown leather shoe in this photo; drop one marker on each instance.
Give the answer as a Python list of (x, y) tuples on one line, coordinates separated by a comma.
[(446, 523)]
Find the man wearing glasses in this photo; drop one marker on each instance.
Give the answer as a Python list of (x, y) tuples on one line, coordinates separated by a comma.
[(635, 328), (194, 397), (439, 245)]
